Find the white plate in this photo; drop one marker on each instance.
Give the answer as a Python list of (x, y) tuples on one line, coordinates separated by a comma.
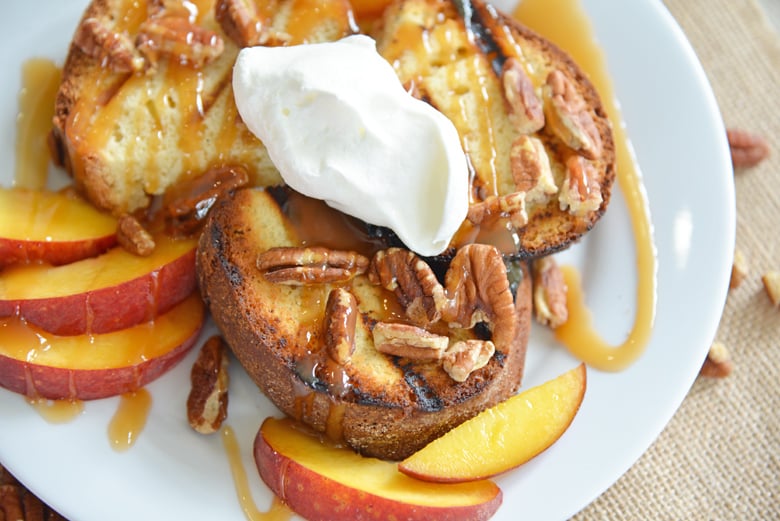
[(673, 120)]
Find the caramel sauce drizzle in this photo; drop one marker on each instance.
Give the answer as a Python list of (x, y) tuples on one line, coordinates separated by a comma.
[(565, 23), (129, 419), (40, 81), (278, 511)]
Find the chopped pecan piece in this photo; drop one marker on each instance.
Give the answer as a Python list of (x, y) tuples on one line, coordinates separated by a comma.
[(208, 399), (550, 293), (114, 50), (241, 22), (408, 341), (478, 291), (568, 116), (525, 109), (413, 282), (580, 193), (739, 269), (510, 205), (466, 356), (718, 362), (299, 265), (747, 149), (341, 313), (177, 38), (187, 204), (771, 281), (161, 8), (133, 237), (531, 169)]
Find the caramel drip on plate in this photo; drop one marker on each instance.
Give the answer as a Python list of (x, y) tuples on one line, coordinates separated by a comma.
[(129, 419), (57, 411), (40, 81), (278, 510), (565, 23)]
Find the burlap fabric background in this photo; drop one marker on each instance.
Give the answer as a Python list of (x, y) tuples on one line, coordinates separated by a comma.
[(719, 457)]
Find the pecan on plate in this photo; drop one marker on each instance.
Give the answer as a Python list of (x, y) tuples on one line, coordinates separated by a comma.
[(525, 109), (466, 356), (581, 192), (408, 341), (186, 205), (509, 205), (208, 399), (531, 169), (568, 116), (114, 50), (178, 39), (747, 149), (413, 282), (301, 265), (341, 313), (478, 290), (549, 293)]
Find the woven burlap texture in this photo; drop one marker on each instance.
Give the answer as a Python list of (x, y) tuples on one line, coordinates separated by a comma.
[(719, 457)]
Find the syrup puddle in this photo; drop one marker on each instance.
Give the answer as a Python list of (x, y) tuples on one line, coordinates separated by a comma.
[(129, 419), (57, 411)]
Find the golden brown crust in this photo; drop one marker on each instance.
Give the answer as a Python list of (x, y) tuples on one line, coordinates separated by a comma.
[(380, 405)]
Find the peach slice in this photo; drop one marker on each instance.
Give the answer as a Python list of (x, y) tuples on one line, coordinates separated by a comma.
[(100, 294), (53, 227), (321, 481), (504, 436), (86, 367)]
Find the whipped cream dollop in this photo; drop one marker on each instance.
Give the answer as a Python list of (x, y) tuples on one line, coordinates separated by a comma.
[(340, 127)]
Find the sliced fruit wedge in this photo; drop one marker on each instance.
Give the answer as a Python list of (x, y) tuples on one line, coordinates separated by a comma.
[(53, 227), (42, 365), (106, 293), (321, 481), (504, 436)]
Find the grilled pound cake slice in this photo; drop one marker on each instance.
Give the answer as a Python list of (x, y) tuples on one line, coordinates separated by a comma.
[(146, 97), (538, 141), (364, 344)]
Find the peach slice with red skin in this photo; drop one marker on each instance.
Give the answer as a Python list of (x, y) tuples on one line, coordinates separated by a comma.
[(320, 481), (86, 367), (52, 227), (504, 436), (106, 293)]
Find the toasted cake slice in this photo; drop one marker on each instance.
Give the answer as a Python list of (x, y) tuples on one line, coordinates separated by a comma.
[(537, 139), (371, 346), (146, 97)]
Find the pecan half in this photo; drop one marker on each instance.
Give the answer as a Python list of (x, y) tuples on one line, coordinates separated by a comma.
[(478, 291), (580, 193), (177, 38), (187, 204), (242, 24), (525, 109), (341, 313), (550, 293), (718, 363), (771, 281), (466, 356), (114, 50), (739, 269), (408, 341), (413, 282), (568, 116), (133, 237), (300, 265), (747, 149), (531, 170), (208, 399), (510, 205)]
